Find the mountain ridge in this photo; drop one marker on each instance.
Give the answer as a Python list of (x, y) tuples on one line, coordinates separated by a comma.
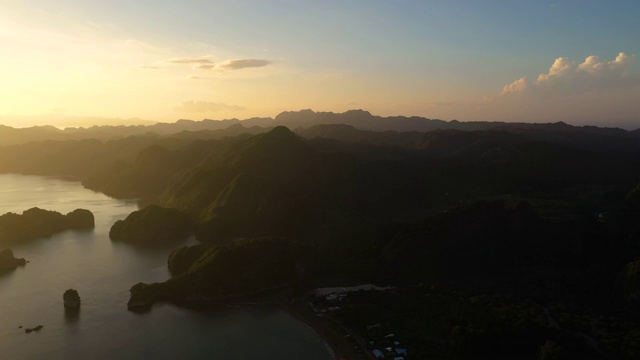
[(359, 119)]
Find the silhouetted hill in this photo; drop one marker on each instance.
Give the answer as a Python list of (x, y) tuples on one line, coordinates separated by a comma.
[(349, 134), (542, 217), (231, 131), (38, 223), (584, 136), (247, 189), (237, 270), (359, 119), (8, 261), (151, 226), (12, 136), (278, 183)]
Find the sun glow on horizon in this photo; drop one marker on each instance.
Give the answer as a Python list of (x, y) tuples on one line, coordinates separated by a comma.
[(69, 61)]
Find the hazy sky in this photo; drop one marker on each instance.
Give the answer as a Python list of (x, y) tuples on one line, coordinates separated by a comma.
[(162, 60)]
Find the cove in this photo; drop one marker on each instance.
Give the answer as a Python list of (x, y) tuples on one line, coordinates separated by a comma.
[(103, 271)]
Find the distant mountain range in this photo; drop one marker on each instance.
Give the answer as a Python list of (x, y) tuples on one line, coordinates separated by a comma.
[(305, 119), (544, 216)]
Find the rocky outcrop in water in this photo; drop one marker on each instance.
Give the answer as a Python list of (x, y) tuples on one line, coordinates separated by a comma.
[(38, 223), (33, 329), (80, 219), (8, 261), (71, 299), (142, 296)]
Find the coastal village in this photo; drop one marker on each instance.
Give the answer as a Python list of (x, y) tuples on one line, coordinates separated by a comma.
[(378, 341)]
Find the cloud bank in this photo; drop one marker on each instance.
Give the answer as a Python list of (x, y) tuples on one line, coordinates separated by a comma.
[(206, 107), (592, 91), (571, 77)]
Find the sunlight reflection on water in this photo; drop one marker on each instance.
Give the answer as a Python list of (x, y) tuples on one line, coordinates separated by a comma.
[(102, 272)]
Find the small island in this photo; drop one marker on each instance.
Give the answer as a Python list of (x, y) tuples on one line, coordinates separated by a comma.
[(38, 223), (33, 329), (152, 225), (71, 299), (8, 261)]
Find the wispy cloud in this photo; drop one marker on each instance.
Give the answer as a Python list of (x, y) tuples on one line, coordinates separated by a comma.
[(206, 63), (238, 64), (195, 62), (206, 66), (189, 61), (206, 106)]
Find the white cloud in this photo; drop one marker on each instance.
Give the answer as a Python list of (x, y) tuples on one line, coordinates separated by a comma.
[(516, 86), (570, 77), (595, 91)]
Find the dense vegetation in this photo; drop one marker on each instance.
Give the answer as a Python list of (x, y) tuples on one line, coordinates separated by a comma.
[(151, 225), (529, 234), (71, 299), (218, 272), (443, 323), (38, 223), (8, 261)]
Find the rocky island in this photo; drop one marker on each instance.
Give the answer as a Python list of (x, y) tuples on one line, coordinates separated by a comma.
[(71, 299), (152, 225), (33, 329), (38, 223), (8, 261)]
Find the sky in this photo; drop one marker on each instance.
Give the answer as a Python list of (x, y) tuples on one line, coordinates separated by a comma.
[(75, 62)]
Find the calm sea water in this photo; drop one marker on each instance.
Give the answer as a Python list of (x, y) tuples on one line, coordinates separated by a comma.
[(103, 271)]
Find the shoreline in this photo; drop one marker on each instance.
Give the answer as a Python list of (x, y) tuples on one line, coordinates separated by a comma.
[(320, 327), (333, 337)]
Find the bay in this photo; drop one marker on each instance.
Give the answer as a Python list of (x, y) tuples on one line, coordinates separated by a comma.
[(103, 271)]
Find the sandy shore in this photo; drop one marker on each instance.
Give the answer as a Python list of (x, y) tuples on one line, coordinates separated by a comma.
[(333, 337), (340, 346)]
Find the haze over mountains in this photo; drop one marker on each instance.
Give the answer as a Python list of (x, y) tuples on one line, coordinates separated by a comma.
[(357, 119), (511, 232), (519, 220)]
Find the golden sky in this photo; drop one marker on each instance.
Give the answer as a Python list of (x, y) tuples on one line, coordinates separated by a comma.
[(80, 62)]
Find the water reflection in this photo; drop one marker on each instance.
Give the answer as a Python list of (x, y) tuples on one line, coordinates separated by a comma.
[(104, 271), (6, 272), (71, 315)]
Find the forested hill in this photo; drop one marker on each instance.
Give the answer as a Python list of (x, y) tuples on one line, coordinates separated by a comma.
[(335, 184), (398, 174), (546, 213)]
